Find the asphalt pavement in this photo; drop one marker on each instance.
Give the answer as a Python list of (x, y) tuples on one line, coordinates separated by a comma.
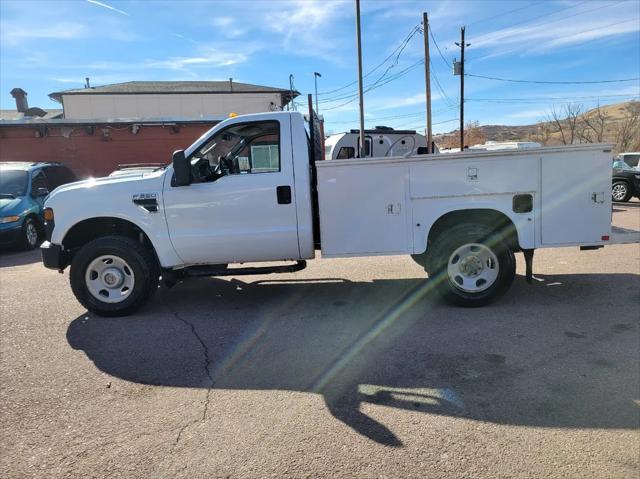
[(350, 368)]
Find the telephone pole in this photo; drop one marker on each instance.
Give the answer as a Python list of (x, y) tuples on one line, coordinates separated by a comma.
[(462, 45), (360, 94), (427, 74), (315, 77)]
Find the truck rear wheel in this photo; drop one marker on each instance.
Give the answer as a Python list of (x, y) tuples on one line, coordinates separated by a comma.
[(114, 275), (470, 266)]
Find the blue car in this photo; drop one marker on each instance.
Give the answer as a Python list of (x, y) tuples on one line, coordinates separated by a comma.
[(23, 189)]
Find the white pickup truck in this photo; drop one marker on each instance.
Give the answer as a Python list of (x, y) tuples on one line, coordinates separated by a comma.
[(250, 190)]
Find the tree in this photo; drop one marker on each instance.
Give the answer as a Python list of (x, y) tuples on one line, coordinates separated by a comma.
[(627, 129), (543, 133), (566, 121), (593, 126), (473, 134)]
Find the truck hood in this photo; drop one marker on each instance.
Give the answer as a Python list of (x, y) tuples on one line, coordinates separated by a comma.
[(107, 185)]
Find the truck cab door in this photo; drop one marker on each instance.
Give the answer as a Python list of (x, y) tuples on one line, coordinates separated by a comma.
[(240, 206)]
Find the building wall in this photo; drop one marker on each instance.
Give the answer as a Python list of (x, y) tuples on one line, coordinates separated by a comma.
[(85, 106), (98, 151)]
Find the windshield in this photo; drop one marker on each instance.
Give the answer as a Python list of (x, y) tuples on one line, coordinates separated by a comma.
[(13, 183)]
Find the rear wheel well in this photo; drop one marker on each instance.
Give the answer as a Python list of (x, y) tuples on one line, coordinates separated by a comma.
[(499, 223), (88, 230)]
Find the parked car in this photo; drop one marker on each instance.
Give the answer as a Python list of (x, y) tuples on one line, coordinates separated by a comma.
[(630, 158), (23, 188), (625, 183)]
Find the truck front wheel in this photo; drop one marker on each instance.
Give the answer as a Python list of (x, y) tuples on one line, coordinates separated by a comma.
[(114, 275), (470, 265)]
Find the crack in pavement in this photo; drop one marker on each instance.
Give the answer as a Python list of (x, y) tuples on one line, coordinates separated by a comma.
[(206, 365)]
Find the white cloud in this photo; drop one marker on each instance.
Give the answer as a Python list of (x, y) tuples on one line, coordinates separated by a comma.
[(109, 7), (14, 33), (539, 37)]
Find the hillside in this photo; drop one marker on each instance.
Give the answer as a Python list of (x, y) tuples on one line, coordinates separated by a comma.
[(603, 124)]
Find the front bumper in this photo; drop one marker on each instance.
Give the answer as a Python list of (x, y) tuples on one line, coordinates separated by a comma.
[(54, 256), (10, 236)]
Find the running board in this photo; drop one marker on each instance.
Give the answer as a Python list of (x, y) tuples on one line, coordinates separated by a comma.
[(195, 271)]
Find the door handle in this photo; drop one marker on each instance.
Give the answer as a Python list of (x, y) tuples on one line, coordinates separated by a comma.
[(284, 195)]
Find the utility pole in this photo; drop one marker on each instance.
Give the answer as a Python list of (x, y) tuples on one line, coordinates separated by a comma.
[(293, 105), (462, 45), (315, 77), (360, 94), (427, 74)]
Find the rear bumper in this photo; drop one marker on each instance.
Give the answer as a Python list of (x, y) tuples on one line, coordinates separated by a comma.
[(54, 256)]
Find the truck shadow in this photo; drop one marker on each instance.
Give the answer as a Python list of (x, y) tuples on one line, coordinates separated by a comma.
[(560, 353)]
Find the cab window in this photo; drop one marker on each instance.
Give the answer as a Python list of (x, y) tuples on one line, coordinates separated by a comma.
[(242, 148)]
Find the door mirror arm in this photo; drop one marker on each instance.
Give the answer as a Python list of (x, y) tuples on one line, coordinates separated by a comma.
[(39, 192), (181, 169)]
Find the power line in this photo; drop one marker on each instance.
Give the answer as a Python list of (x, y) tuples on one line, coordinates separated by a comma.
[(441, 90), (528, 20), (502, 14), (438, 48), (352, 94), (549, 98), (553, 82), (395, 117), (408, 37), (354, 97)]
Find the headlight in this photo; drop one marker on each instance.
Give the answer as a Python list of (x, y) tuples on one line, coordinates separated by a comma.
[(9, 219), (637, 177)]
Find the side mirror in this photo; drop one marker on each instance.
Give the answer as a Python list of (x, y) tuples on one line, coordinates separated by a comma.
[(181, 169), (38, 192)]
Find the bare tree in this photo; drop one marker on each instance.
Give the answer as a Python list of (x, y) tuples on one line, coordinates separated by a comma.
[(593, 125), (565, 121), (543, 133), (628, 129), (473, 134)]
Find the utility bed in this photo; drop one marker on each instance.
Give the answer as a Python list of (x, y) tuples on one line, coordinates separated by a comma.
[(555, 196)]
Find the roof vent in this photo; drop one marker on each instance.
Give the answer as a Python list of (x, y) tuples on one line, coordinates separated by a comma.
[(21, 99), (35, 111)]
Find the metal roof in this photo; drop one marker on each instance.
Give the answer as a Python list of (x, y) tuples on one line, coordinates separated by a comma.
[(173, 87), (16, 115)]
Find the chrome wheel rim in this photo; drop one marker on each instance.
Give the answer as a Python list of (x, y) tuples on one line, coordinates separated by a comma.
[(473, 268), (619, 192), (32, 233), (109, 279)]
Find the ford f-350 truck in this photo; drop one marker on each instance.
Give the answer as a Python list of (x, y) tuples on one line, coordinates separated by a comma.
[(255, 189)]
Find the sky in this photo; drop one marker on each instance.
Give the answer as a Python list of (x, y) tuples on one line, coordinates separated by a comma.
[(48, 46)]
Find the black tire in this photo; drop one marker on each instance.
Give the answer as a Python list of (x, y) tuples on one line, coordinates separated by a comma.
[(142, 261), (441, 250), (29, 228), (621, 191)]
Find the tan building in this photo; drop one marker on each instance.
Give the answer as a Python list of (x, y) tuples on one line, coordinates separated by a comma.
[(161, 99)]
